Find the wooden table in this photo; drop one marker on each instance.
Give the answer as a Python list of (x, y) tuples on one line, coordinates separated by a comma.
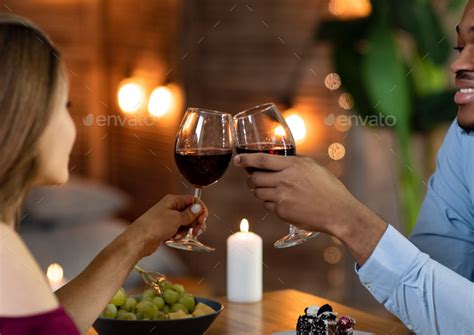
[(279, 311)]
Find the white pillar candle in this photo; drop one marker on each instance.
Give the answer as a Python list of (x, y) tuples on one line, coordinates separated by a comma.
[(244, 265)]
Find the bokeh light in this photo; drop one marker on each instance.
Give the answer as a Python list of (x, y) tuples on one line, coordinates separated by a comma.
[(160, 102), (297, 126), (332, 255), (336, 151), (332, 81), (350, 9), (346, 101), (131, 97)]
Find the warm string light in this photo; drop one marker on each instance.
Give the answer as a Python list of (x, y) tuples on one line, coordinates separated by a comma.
[(346, 101), (336, 151), (332, 81), (350, 9)]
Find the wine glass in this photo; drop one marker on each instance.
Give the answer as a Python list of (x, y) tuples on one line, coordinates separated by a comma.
[(203, 151), (263, 129)]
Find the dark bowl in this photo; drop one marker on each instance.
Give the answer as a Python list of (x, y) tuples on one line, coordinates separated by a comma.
[(191, 326)]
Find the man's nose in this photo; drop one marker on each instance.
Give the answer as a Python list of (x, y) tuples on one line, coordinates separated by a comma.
[(464, 61)]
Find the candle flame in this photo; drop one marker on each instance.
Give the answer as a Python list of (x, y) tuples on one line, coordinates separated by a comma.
[(244, 225), (55, 273)]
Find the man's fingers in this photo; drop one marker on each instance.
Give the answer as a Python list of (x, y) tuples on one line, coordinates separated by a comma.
[(269, 206), (263, 161), (266, 194), (264, 179)]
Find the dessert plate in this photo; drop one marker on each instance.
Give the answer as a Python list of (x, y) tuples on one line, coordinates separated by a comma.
[(293, 332)]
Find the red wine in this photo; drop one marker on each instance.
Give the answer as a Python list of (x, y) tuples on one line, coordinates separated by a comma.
[(202, 167), (266, 148)]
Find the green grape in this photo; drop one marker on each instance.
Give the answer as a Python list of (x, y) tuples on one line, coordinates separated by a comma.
[(158, 301), (165, 309), (176, 307), (149, 292), (188, 301), (110, 311), (160, 316), (121, 314), (129, 304), (178, 288), (129, 316), (166, 285), (119, 298), (150, 299), (146, 309), (170, 296)]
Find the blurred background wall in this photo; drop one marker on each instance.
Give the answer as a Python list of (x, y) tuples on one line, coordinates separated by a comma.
[(224, 55)]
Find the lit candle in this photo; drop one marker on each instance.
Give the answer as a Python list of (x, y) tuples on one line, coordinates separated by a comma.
[(55, 276), (244, 265)]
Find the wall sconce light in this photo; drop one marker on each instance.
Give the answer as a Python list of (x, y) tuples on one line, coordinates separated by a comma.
[(131, 96), (350, 9), (161, 101)]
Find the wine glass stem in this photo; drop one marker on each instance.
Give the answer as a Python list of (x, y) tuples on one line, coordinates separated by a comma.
[(293, 229), (189, 235), (197, 193)]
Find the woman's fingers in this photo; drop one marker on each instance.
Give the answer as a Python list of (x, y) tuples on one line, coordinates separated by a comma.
[(199, 229)]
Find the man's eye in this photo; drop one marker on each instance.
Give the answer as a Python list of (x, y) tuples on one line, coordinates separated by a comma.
[(458, 49)]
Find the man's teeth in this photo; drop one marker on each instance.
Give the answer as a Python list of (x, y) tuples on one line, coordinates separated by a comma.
[(466, 90)]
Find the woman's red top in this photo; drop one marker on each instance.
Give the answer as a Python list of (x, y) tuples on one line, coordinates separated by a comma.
[(55, 322)]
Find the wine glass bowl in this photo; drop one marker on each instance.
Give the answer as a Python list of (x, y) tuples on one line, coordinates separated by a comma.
[(262, 129), (203, 151)]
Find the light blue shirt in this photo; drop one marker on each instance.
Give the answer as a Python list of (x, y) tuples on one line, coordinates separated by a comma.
[(428, 284)]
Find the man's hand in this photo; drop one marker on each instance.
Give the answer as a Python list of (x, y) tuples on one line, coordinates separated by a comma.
[(305, 194)]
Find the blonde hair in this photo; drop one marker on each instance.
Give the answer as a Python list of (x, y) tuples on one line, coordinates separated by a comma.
[(29, 72)]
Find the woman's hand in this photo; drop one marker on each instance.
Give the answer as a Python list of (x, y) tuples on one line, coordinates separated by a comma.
[(170, 217), (300, 191)]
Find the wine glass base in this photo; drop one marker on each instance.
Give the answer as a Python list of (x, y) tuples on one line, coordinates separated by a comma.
[(189, 245), (294, 239)]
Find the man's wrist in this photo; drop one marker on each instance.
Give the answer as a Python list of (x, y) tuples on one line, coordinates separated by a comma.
[(360, 232)]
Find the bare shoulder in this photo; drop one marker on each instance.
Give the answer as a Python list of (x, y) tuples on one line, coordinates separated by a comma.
[(23, 286)]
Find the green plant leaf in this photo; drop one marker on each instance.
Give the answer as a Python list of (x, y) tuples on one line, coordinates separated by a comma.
[(336, 31), (421, 21), (456, 5), (385, 76), (348, 61)]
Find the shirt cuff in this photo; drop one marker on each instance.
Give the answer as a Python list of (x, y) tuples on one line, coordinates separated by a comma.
[(391, 259)]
